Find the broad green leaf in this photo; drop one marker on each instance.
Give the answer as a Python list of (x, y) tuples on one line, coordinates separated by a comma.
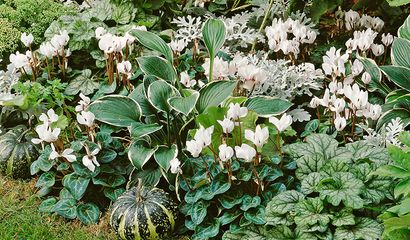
[(228, 201), (402, 113), (310, 183), (214, 33), (107, 156), (66, 208), (113, 193), (184, 105), (402, 188), (404, 30), (365, 228), (149, 177), (342, 186), (158, 94), (398, 74), (321, 7), (158, 67), (47, 205), (404, 138), (208, 230), (399, 52), (343, 218), (249, 202), (309, 212), (395, 3), (256, 216), (83, 171), (198, 212), (392, 171), (267, 106), (164, 155), (214, 93), (117, 110), (283, 202), (76, 184), (122, 13), (139, 155), (109, 181), (375, 84), (88, 213), (140, 97), (153, 42), (83, 83), (139, 130), (229, 217), (46, 179)]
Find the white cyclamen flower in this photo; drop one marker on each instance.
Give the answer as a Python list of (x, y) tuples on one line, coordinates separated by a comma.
[(227, 125), (27, 40), (340, 123), (357, 67), (67, 154), (204, 135), (86, 118), (387, 39), (377, 49), (125, 67), (245, 152), (283, 123), (334, 62), (178, 45), (259, 137), (45, 134), (49, 118), (366, 78), (186, 80), (90, 160), (175, 165), (225, 152), (235, 111), (99, 32), (194, 147), (83, 103)]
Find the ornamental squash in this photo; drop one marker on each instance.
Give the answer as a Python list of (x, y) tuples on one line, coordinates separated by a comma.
[(16, 153), (143, 213)]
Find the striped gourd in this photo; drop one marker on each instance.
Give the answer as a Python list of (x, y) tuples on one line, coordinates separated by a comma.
[(143, 213), (16, 154)]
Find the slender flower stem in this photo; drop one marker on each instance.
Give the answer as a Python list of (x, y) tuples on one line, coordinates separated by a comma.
[(208, 173), (259, 180), (186, 181), (265, 18), (48, 69)]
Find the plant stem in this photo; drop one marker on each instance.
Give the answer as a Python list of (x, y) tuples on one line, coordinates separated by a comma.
[(265, 18), (168, 130), (211, 68), (186, 181)]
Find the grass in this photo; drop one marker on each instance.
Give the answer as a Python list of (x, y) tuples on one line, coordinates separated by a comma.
[(20, 219)]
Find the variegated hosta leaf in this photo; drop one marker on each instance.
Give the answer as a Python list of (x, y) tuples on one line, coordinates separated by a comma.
[(365, 228), (283, 202), (342, 186), (139, 155), (400, 51), (158, 94)]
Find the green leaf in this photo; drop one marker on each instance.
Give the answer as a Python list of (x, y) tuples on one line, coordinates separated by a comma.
[(309, 212), (402, 188), (139, 155), (402, 113), (116, 110), (365, 228), (158, 94), (256, 216), (47, 205), (321, 7), (307, 165), (149, 177), (228, 217), (88, 213), (184, 105), (310, 183), (213, 33), (83, 83), (107, 156), (109, 181), (283, 202), (400, 51), (343, 218), (371, 67), (66, 208), (113, 193), (164, 155), (122, 13), (395, 3), (266, 106), (249, 202), (76, 184), (231, 200), (140, 97), (158, 67), (342, 186), (153, 42), (398, 74), (198, 212), (139, 130), (404, 30), (214, 93), (46, 179), (207, 231), (392, 171)]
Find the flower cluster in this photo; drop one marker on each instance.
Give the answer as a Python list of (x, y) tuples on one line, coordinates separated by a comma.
[(287, 36), (353, 21), (45, 131)]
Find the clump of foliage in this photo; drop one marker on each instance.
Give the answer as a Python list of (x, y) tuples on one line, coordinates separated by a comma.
[(396, 219), (33, 16)]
